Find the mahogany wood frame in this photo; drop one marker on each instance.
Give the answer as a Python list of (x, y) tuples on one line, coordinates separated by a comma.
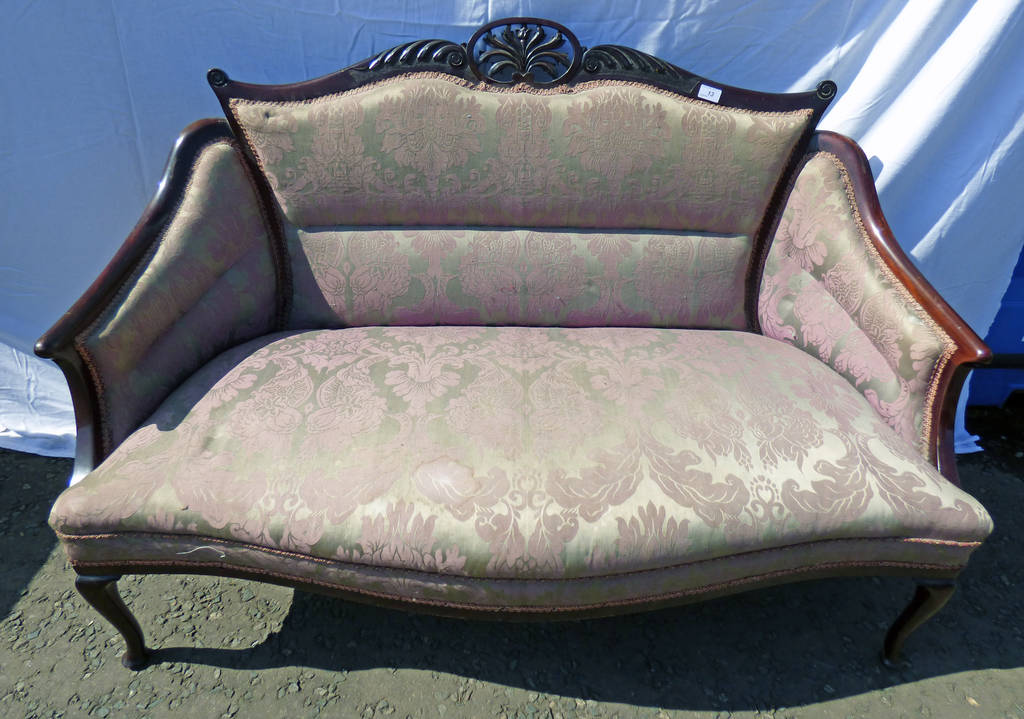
[(97, 582), (435, 56)]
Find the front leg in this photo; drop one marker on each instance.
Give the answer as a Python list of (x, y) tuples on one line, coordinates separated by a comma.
[(101, 593)]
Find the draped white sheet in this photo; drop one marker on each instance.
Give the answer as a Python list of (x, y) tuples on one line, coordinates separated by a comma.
[(94, 94)]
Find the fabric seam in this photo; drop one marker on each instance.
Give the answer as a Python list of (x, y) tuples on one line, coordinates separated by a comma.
[(520, 89)]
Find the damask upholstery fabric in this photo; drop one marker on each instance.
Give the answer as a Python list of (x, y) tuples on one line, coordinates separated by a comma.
[(434, 150), (424, 276), (477, 464), (207, 284), (826, 290)]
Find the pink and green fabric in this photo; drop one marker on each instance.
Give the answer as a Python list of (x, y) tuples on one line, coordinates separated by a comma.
[(484, 462), (436, 150), (826, 291), (430, 200)]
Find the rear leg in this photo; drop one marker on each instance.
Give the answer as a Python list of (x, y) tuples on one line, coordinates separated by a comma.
[(930, 597)]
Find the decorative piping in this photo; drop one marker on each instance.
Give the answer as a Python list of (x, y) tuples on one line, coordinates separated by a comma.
[(278, 245), (97, 383), (517, 89), (355, 566), (519, 609), (949, 345)]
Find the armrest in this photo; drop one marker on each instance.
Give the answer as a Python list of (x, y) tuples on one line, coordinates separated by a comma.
[(200, 272), (837, 285)]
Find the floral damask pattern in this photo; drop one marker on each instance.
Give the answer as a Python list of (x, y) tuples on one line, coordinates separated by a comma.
[(430, 129), (617, 134), (350, 277), (334, 135), (523, 157), (503, 452), (824, 291), (435, 150)]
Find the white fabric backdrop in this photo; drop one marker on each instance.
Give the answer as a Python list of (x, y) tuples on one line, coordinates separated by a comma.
[(94, 94)]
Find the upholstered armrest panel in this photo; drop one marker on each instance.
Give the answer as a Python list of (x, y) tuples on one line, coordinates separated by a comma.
[(836, 285), (195, 277)]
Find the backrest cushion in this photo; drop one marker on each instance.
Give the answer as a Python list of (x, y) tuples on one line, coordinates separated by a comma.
[(652, 173), (543, 277), (434, 150)]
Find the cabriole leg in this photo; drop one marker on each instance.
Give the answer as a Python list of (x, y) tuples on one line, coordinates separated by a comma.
[(101, 593), (930, 597)]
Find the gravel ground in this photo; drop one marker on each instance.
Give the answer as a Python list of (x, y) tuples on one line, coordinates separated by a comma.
[(230, 648)]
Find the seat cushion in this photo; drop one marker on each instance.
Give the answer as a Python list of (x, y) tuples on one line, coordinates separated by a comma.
[(477, 466)]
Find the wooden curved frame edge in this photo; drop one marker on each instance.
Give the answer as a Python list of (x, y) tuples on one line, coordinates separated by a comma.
[(369, 70), (58, 342), (159, 210), (357, 75), (520, 614), (970, 349)]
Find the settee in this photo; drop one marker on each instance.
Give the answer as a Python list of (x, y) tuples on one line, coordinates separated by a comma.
[(514, 328)]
